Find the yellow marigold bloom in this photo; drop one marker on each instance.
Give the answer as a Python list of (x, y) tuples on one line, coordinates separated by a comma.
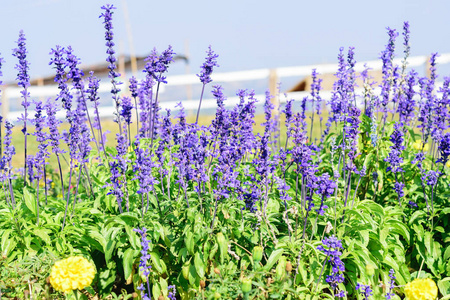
[(421, 289), (72, 273)]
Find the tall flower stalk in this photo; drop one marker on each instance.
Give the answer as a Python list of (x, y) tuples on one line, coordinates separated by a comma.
[(205, 74), (111, 59), (23, 80)]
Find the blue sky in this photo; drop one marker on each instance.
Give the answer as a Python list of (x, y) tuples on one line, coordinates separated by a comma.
[(246, 34)]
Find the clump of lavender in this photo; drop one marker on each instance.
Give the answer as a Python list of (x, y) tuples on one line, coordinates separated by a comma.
[(54, 137), (144, 263), (406, 102), (6, 160), (155, 68), (331, 247), (23, 80), (143, 169), (205, 74), (92, 94), (365, 290), (388, 70)]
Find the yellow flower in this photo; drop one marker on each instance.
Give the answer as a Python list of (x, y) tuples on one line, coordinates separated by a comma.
[(421, 289), (418, 146), (72, 273)]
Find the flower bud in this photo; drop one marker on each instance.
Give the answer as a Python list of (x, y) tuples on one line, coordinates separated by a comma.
[(217, 271), (185, 271), (217, 295), (257, 253), (370, 270), (202, 284), (246, 285), (288, 266)]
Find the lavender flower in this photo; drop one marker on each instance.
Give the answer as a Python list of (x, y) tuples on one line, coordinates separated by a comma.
[(205, 74), (75, 73), (111, 59), (325, 187), (390, 294), (172, 292), (23, 80), (207, 67), (133, 87), (22, 67), (407, 103), (444, 149), (41, 138), (387, 57), (157, 65), (332, 251), (64, 95), (365, 290), (395, 159), (144, 263), (127, 107)]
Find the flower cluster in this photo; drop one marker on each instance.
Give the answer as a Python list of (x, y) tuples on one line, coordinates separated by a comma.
[(72, 273), (207, 67), (421, 289)]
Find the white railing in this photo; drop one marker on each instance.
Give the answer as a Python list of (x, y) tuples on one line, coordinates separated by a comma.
[(277, 74)]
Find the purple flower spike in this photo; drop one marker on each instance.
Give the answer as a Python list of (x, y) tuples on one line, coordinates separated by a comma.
[(144, 263), (331, 247), (208, 65), (365, 290)]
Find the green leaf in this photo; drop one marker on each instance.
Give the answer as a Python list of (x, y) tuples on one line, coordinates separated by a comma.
[(400, 228), (110, 247), (447, 253), (129, 257), (157, 263), (42, 233), (444, 286), (189, 241), (273, 259), (199, 264), (30, 201)]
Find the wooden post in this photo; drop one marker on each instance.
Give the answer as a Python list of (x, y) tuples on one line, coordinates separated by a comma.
[(273, 88)]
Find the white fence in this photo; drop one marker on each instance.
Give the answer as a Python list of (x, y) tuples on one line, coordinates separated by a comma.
[(277, 74)]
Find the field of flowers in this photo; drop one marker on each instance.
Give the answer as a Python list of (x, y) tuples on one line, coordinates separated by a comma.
[(354, 205)]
